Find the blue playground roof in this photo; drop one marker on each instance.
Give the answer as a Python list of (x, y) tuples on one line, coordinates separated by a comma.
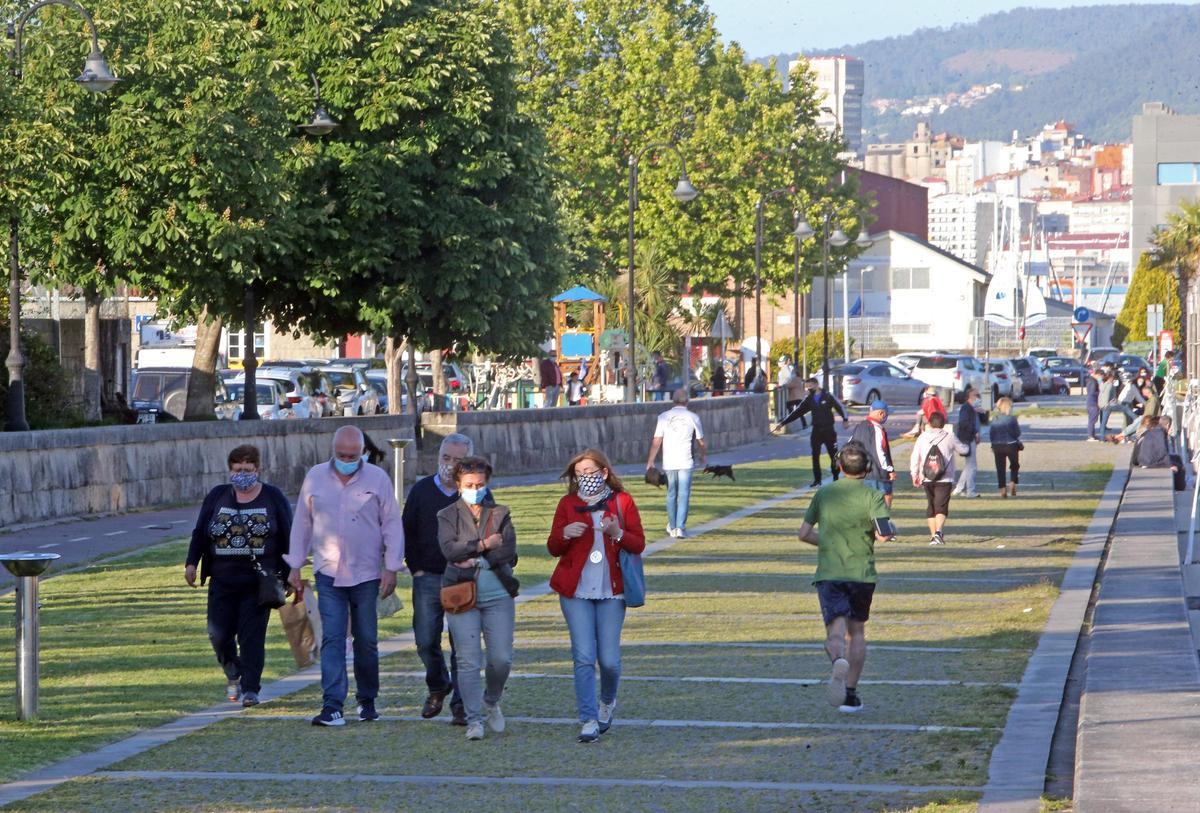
[(579, 294)]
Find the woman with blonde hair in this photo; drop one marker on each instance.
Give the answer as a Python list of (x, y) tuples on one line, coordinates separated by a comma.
[(1005, 436), (594, 522)]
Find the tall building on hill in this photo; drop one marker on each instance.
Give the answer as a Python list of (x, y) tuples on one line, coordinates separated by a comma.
[(840, 96), (1166, 168)]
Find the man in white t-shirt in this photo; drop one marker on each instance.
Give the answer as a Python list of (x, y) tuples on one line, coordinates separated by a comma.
[(676, 429)]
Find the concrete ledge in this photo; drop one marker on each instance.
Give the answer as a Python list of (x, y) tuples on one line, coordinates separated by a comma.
[(110, 469), (523, 441)]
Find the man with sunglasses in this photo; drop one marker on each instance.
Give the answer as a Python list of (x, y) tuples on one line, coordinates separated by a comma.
[(425, 561)]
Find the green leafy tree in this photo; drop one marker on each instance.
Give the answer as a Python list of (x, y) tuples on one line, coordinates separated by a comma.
[(1151, 285)]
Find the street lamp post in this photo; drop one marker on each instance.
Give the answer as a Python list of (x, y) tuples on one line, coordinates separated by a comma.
[(796, 295), (97, 78), (684, 192)]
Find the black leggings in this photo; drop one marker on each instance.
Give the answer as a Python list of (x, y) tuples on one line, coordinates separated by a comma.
[(1008, 453), (829, 441), (237, 628)]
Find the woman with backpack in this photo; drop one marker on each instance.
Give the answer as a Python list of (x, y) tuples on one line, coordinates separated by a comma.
[(1005, 436), (932, 468)]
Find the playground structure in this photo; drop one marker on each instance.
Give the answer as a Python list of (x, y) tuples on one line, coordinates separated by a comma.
[(578, 350)]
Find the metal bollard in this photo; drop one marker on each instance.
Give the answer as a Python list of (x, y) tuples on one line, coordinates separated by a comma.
[(398, 446), (27, 567)]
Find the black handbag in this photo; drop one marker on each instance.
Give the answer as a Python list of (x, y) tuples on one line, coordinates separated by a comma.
[(271, 592)]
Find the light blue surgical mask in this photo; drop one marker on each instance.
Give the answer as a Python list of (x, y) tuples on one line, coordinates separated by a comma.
[(346, 469), (473, 496)]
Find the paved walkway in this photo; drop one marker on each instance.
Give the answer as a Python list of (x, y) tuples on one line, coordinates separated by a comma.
[(1140, 712)]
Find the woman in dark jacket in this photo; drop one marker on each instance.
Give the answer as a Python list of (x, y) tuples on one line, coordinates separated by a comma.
[(1005, 437), (477, 538), (594, 522), (1152, 449), (242, 524)]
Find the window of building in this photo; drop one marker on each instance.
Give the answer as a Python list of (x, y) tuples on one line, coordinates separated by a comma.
[(1171, 174), (910, 278), (237, 342)]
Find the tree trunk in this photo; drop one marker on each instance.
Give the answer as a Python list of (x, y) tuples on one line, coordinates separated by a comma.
[(203, 382), (393, 357), (411, 379), (439, 378), (91, 354)]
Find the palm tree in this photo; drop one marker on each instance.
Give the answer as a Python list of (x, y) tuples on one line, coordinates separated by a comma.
[(657, 311), (1176, 248)]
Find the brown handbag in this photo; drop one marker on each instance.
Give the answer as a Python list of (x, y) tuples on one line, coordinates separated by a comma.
[(460, 596)]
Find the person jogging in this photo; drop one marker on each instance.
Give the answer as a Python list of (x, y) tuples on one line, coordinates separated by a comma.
[(849, 518), (822, 406)]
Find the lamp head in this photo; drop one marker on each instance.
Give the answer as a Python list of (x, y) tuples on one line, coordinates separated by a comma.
[(96, 76), (321, 123), (838, 238), (803, 231), (863, 240), (684, 191)]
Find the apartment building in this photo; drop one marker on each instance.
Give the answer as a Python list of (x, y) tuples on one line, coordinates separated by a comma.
[(840, 81)]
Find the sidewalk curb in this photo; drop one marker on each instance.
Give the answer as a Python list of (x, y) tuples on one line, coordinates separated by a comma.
[(1017, 770)]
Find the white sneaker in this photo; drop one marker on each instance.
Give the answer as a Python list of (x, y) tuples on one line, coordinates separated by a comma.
[(494, 717), (956, 492), (590, 731), (606, 715), (835, 690), (670, 532), (680, 533), (475, 731)]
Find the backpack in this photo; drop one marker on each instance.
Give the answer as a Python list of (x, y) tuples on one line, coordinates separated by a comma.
[(934, 466)]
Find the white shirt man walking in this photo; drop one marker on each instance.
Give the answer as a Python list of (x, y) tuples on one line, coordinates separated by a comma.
[(674, 433)]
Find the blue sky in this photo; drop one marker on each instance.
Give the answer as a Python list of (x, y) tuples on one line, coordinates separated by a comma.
[(776, 26)]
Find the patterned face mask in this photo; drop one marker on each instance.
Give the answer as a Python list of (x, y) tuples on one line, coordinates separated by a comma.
[(244, 480), (591, 484)]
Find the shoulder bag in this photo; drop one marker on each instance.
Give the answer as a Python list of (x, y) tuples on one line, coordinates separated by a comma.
[(460, 596), (271, 592), (632, 575)]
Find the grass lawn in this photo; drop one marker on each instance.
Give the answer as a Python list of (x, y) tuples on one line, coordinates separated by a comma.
[(732, 610)]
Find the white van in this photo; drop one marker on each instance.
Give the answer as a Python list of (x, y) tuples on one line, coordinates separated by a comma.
[(165, 356)]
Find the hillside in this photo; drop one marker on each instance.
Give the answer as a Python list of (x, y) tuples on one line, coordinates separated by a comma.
[(1092, 66)]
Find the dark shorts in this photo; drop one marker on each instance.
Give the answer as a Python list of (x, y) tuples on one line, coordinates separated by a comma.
[(937, 499), (851, 599)]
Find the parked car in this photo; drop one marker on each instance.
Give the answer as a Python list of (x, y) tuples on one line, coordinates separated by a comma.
[(1127, 364), (952, 372), (1070, 370), (456, 381), (1097, 354), (354, 394), (864, 383), (1030, 371), (1043, 352), (1005, 380), (298, 385), (269, 395), (160, 393), (908, 360)]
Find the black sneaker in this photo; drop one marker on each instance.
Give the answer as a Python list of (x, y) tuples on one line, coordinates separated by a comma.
[(250, 699), (458, 714), (366, 711), (330, 717), (815, 484), (852, 704)]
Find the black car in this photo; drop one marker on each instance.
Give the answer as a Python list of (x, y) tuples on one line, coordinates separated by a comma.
[(1067, 369), (160, 393), (1127, 364)]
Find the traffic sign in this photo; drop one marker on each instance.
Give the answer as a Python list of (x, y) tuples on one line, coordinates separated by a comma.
[(1082, 314)]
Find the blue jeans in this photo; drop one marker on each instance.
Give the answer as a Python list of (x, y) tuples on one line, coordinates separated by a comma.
[(679, 494), (357, 605), (1110, 409), (595, 628), (428, 619), (659, 395), (493, 622)]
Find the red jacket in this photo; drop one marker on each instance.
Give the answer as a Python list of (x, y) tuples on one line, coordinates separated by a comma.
[(572, 554)]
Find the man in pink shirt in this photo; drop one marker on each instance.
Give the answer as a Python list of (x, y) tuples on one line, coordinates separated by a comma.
[(347, 516)]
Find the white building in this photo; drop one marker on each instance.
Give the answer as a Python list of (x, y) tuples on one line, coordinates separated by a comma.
[(965, 225), (921, 297), (840, 96)]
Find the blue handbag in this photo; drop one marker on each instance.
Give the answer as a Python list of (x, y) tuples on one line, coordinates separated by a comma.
[(632, 575)]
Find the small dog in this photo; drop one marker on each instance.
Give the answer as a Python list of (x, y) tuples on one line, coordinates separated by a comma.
[(655, 477), (720, 471)]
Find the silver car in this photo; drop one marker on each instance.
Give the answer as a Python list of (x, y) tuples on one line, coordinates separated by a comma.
[(355, 395), (864, 383)]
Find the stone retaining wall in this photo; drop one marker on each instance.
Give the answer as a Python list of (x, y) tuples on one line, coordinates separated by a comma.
[(76, 472), (524, 441)]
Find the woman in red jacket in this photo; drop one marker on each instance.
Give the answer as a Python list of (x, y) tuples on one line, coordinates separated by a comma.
[(593, 523)]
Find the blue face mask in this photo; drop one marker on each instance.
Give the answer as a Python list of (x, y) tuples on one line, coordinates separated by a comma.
[(244, 480), (345, 468), (473, 496)]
